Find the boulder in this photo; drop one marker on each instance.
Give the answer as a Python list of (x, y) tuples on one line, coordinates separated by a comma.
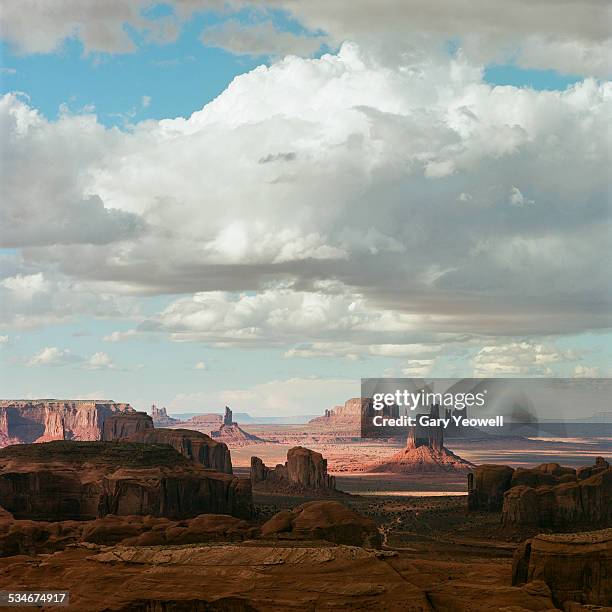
[(487, 485), (85, 480), (120, 426), (576, 567), (192, 444), (324, 520)]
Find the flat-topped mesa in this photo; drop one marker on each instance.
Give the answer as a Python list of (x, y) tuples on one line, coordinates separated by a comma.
[(66, 480), (304, 469), (119, 426), (195, 445), (42, 420), (349, 413)]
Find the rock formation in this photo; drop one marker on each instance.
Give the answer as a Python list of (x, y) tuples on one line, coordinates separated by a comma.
[(348, 414), (86, 480), (487, 485), (549, 495), (160, 417), (119, 426), (203, 422), (193, 444), (304, 470), (26, 537), (324, 520), (234, 435), (422, 459), (424, 453), (27, 421), (570, 503), (227, 417), (576, 567)]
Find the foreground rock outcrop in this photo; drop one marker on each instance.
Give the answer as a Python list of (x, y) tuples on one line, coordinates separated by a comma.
[(487, 485), (26, 537), (548, 496), (576, 567), (304, 470), (324, 520), (192, 444), (27, 421), (85, 480)]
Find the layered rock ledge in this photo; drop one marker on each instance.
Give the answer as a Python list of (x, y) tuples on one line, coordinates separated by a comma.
[(85, 480), (548, 496), (195, 445), (576, 567)]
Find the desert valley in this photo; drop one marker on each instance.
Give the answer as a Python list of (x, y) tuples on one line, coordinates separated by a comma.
[(130, 511)]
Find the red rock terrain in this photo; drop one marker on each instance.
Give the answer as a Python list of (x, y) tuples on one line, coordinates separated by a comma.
[(305, 470), (324, 520), (234, 435), (222, 563), (576, 567), (266, 577), (121, 426), (85, 480), (422, 459), (192, 444), (27, 421), (548, 496)]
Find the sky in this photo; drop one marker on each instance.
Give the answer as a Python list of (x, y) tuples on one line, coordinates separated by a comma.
[(257, 203)]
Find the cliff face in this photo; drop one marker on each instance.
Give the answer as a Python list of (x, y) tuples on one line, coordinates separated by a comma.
[(348, 413), (585, 502), (85, 480), (576, 567), (547, 496), (192, 444), (123, 425), (304, 469), (27, 421)]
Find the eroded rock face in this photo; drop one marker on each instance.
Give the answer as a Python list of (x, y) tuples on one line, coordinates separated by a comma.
[(192, 444), (120, 426), (488, 485), (84, 480), (27, 421), (304, 469), (25, 537), (572, 502), (549, 495), (576, 567), (324, 520)]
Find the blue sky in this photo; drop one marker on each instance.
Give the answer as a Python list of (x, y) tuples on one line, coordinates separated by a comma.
[(163, 79)]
